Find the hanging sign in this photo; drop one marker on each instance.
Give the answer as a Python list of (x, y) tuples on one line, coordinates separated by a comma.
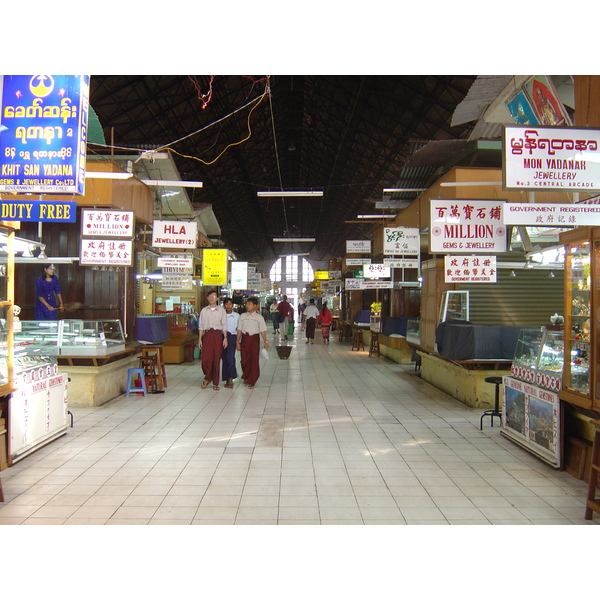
[(401, 263), (214, 266), (174, 234), (470, 269), (181, 261), (467, 226), (551, 215), (38, 211), (401, 240), (107, 223), (356, 262), (321, 274), (176, 281), (363, 284), (552, 158), (106, 252), (43, 133), (239, 275), (376, 270), (358, 246)]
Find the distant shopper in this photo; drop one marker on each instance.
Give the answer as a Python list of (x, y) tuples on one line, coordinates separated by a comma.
[(311, 312), (274, 317), (325, 319), (229, 372), (212, 338), (47, 291), (285, 308), (251, 328)]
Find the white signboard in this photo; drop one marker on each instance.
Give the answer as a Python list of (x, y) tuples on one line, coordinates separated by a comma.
[(335, 274), (358, 246), (363, 284), (470, 269), (377, 270), (357, 262), (107, 223), (174, 234), (551, 215), (180, 261), (552, 158), (254, 281), (467, 226), (176, 281), (401, 240), (401, 263), (239, 275), (118, 253)]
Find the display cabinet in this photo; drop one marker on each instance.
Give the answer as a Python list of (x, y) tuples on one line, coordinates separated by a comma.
[(454, 306), (549, 365), (582, 261), (526, 355), (70, 337)]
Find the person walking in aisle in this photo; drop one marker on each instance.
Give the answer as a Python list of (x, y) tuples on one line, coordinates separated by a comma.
[(285, 308), (325, 319), (251, 328), (311, 312), (229, 368), (212, 338), (275, 317)]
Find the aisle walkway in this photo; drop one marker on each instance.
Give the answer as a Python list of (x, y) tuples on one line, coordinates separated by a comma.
[(330, 436)]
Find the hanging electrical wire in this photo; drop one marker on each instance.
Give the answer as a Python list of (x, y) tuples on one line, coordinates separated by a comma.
[(205, 98)]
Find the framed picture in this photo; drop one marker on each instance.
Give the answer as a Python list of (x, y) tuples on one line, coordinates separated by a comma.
[(546, 105), (521, 110)]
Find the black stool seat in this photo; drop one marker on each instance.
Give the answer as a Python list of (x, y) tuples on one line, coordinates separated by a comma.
[(493, 412)]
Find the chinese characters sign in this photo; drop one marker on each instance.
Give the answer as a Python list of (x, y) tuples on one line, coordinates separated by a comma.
[(467, 226), (551, 158), (551, 215), (107, 223), (106, 252), (43, 133), (470, 269), (401, 240)]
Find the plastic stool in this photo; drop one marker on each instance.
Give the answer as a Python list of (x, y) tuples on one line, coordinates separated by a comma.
[(130, 388), (494, 412)]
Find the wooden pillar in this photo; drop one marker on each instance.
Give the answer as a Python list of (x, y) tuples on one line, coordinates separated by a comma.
[(587, 100)]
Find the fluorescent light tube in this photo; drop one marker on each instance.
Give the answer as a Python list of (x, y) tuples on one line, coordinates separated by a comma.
[(293, 239), (289, 194), (107, 175), (393, 190), (175, 183), (375, 216)]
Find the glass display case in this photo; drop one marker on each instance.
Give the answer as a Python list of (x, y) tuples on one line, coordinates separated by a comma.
[(69, 337), (581, 298), (454, 306), (549, 366), (526, 355), (413, 332)]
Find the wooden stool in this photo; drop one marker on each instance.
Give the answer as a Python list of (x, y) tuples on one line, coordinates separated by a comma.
[(374, 346), (149, 366), (160, 363), (593, 504), (357, 341)]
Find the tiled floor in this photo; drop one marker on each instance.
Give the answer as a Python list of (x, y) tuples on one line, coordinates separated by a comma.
[(329, 436)]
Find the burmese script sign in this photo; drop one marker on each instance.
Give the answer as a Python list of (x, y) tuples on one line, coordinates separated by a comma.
[(551, 215), (358, 246), (467, 226), (551, 158), (43, 133), (401, 241), (470, 269)]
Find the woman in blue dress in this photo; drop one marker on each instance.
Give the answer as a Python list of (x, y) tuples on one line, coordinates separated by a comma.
[(47, 291)]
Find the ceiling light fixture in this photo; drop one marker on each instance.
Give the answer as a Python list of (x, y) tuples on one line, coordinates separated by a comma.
[(394, 190), (310, 194), (107, 175), (375, 216), (468, 183), (298, 239), (174, 183)]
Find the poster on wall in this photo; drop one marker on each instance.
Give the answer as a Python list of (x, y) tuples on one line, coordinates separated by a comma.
[(521, 110), (467, 226), (550, 158), (43, 133), (546, 105), (214, 266)]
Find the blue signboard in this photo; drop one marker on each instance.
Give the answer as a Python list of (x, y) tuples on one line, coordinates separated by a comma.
[(43, 133), (36, 211)]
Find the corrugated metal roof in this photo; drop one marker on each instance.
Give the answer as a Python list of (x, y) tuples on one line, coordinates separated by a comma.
[(483, 92)]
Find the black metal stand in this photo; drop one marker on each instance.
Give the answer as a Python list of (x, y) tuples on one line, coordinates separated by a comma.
[(493, 412)]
